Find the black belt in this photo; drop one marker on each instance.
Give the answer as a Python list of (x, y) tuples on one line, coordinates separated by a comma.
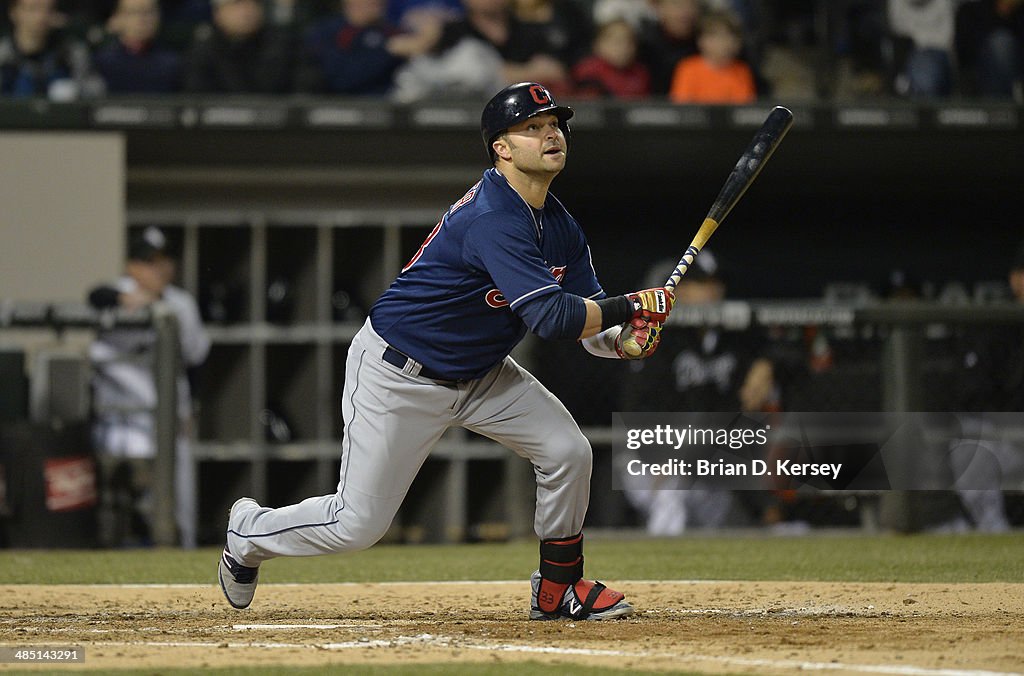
[(396, 358)]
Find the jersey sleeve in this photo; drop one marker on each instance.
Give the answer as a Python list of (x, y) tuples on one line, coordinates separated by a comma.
[(505, 248), (580, 277)]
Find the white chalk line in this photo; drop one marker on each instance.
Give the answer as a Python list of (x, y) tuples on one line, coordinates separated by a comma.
[(447, 642), (427, 639), (258, 627), (396, 583), (796, 613)]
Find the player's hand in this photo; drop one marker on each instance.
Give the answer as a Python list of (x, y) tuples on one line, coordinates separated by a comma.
[(652, 305), (645, 334), (758, 386), (135, 300)]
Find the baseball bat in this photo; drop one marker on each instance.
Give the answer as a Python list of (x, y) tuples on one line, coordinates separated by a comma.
[(750, 164)]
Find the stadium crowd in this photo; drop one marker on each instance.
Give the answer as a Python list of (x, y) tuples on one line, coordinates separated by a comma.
[(690, 51)]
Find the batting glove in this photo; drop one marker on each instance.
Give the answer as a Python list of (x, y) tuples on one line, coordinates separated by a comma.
[(652, 305), (646, 334)]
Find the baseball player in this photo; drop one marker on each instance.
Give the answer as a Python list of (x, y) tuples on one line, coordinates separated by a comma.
[(124, 391), (506, 258)]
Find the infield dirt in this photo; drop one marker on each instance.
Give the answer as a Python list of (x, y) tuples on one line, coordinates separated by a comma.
[(757, 627)]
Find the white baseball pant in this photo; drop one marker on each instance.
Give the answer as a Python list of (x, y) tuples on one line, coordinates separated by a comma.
[(392, 420)]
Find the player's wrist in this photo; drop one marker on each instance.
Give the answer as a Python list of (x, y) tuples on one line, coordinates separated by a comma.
[(619, 352), (615, 310)]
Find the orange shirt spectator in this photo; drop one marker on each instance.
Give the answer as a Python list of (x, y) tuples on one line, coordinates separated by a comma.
[(716, 75), (697, 81)]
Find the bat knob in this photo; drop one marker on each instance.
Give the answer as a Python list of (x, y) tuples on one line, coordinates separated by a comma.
[(631, 347)]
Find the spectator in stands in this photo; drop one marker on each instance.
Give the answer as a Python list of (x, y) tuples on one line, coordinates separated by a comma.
[(554, 29), (37, 59), (289, 12), (461, 64), (754, 19), (349, 53), (240, 53), (636, 13), (486, 20), (612, 70), (922, 32), (708, 370), (716, 74), (407, 14), (80, 19), (421, 23), (181, 20), (668, 40), (134, 62), (990, 47), (492, 22), (124, 395), (858, 37), (746, 11)]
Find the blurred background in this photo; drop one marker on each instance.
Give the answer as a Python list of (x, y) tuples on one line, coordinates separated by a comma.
[(265, 168)]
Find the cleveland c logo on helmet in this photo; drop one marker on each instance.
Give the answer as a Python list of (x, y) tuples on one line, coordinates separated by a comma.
[(540, 95)]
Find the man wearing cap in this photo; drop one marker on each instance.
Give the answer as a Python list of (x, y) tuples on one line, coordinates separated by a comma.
[(506, 258), (699, 369), (124, 394)]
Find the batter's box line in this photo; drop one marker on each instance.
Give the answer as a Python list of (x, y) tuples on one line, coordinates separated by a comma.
[(449, 642), (260, 627), (389, 583), (823, 611)]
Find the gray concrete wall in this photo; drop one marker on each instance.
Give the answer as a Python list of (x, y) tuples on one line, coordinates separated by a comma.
[(61, 213)]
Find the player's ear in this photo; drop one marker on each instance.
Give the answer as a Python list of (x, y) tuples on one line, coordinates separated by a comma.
[(501, 148)]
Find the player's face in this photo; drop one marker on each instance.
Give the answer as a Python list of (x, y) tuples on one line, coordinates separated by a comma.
[(32, 16), (537, 144), (364, 12), (138, 20), (239, 18), (151, 276), (719, 45)]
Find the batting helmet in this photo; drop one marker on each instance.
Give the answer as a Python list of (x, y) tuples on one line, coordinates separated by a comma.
[(514, 104)]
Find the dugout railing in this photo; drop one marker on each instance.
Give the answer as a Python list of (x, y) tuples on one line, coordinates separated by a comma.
[(443, 505), (20, 320), (830, 357)]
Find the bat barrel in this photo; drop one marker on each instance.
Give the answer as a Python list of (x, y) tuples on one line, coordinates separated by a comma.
[(764, 143), (761, 147)]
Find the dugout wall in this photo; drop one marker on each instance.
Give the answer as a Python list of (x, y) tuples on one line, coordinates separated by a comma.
[(292, 215)]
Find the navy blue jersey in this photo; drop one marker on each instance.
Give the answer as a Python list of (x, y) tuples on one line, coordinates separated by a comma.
[(455, 306)]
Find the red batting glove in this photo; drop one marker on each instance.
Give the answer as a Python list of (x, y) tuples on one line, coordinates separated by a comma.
[(652, 305), (646, 334)]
